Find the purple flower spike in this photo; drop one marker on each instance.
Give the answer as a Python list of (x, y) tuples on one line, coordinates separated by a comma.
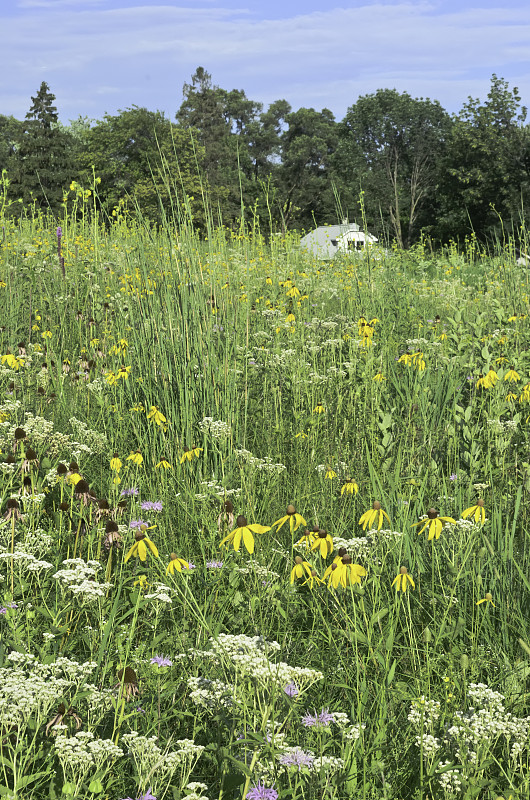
[(136, 524), (59, 232), (150, 505)]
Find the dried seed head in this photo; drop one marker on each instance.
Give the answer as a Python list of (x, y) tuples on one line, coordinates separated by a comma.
[(346, 559), (31, 455), (241, 521), (81, 487), (73, 466), (12, 503), (103, 505), (63, 506), (480, 503), (111, 526), (228, 506), (61, 469), (20, 434)]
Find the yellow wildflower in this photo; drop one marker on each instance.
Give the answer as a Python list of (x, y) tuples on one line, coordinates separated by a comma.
[(477, 511), (295, 520), (403, 580), (176, 564), (140, 546), (434, 523), (190, 453), (243, 532), (369, 517)]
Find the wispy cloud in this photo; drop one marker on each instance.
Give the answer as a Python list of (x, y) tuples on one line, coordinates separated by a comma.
[(322, 58)]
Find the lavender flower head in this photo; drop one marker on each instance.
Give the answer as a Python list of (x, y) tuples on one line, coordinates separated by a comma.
[(297, 758), (59, 232), (320, 720), (136, 524), (151, 505), (291, 690), (132, 492), (146, 796), (162, 661), (261, 792)]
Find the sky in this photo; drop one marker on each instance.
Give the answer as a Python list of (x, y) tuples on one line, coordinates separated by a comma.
[(102, 56)]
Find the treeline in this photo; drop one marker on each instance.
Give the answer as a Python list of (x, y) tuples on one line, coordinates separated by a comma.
[(402, 164)]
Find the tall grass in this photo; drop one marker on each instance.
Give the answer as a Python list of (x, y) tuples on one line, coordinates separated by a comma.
[(244, 367)]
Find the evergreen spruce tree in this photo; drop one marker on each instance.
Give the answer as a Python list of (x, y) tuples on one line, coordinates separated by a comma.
[(42, 158)]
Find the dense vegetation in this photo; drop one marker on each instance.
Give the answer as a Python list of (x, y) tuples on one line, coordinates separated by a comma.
[(264, 520), (424, 173)]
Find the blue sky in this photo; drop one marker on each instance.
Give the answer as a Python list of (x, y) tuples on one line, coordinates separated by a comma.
[(100, 56)]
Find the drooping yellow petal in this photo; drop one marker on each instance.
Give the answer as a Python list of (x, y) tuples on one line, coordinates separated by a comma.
[(130, 553), (248, 539), (142, 550), (258, 528), (238, 533), (152, 547)]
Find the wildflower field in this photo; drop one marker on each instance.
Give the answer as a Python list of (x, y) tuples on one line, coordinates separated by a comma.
[(264, 519)]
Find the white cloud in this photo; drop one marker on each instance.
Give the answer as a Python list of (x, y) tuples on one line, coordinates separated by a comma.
[(320, 58)]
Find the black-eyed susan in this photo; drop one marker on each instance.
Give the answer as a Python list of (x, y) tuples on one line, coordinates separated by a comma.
[(488, 598), (136, 458), (190, 453), (373, 515), (244, 532), (141, 545), (323, 542), (176, 563), (403, 580), (301, 569), (433, 523), (295, 520), (478, 512), (349, 487), (163, 464)]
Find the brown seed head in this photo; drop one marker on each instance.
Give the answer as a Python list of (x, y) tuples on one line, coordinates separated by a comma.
[(20, 434), (139, 535), (432, 513), (291, 510), (12, 503), (228, 506), (403, 570), (241, 521), (346, 559), (480, 503), (111, 526), (81, 487), (376, 505), (342, 551), (61, 469), (173, 556), (322, 534), (298, 560)]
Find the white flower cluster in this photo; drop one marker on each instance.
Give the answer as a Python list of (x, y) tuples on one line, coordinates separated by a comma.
[(160, 765), (77, 754), (429, 743), (264, 464), (257, 569), (449, 779), (425, 712), (97, 442), (353, 732), (160, 594), (249, 656), (194, 791), (217, 429), (80, 579), (210, 694), (26, 560)]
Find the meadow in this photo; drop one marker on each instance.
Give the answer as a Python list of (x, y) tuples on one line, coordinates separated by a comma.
[(264, 519)]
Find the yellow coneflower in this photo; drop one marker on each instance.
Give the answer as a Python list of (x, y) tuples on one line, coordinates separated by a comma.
[(379, 377), (349, 487), (163, 464), (136, 458), (512, 375), (243, 533), (295, 520), (140, 546), (477, 511), (403, 580), (156, 415), (115, 462), (434, 523), (343, 572), (323, 542), (319, 409), (492, 377), (176, 563), (190, 453), (330, 473), (301, 569), (488, 598), (369, 517)]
